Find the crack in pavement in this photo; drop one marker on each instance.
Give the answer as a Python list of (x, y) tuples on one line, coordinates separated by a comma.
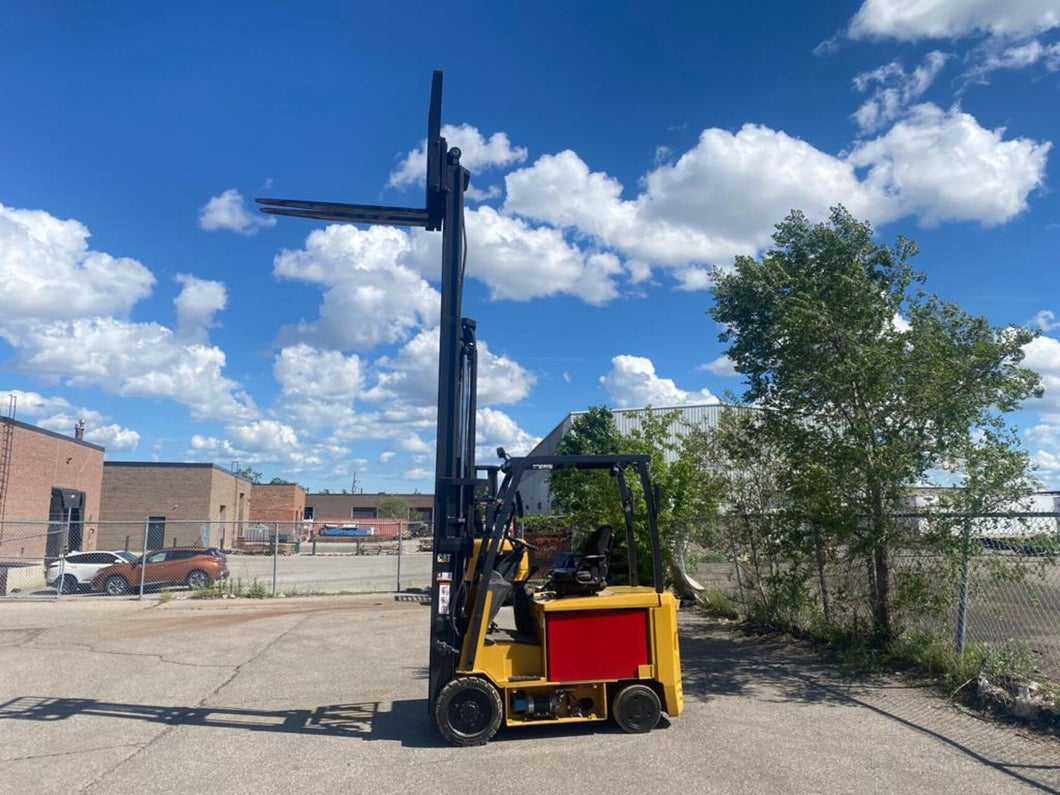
[(30, 633), (160, 657), (68, 753), (202, 702)]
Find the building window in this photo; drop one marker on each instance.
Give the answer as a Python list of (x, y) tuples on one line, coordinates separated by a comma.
[(362, 513), (309, 512)]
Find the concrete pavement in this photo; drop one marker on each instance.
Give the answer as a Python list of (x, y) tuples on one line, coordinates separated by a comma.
[(326, 695)]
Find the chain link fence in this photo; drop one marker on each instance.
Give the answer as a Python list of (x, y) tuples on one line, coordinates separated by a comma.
[(63, 559), (994, 586)]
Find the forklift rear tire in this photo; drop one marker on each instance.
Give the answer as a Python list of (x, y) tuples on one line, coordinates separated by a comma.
[(468, 711), (637, 709)]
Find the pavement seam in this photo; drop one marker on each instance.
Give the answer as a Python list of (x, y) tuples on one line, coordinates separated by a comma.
[(202, 702)]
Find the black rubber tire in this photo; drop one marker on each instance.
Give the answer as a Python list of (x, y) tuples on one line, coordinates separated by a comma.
[(636, 709), (197, 578), (70, 584), (468, 711), (116, 585)]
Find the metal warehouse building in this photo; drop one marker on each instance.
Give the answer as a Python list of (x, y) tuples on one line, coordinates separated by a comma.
[(537, 497)]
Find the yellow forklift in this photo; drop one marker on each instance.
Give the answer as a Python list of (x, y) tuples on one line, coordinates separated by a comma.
[(581, 649)]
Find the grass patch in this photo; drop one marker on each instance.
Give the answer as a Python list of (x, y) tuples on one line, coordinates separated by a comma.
[(720, 604), (711, 556), (232, 588), (164, 596)]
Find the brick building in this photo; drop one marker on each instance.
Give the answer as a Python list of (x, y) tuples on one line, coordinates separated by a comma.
[(274, 502), (46, 476), (364, 506), (183, 504)]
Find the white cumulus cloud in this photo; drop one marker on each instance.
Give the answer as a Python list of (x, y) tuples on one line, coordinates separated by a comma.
[(495, 429), (199, 300), (894, 90), (228, 211), (132, 360), (411, 376), (66, 311), (919, 19), (632, 381), (58, 414), (519, 261), (944, 166), (48, 271), (723, 366), (477, 153), (370, 296)]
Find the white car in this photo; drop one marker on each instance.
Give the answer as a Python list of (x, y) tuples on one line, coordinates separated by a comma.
[(80, 567)]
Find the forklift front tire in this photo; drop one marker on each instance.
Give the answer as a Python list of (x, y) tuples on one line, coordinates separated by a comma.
[(637, 709), (468, 711)]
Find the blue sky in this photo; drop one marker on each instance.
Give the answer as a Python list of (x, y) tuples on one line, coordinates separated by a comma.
[(618, 155)]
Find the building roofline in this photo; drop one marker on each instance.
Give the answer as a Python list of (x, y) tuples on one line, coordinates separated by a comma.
[(369, 495), (37, 429), (718, 404), (176, 465)]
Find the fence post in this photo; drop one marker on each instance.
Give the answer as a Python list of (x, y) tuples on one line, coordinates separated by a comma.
[(63, 541), (143, 560), (275, 552), (399, 559), (962, 607)]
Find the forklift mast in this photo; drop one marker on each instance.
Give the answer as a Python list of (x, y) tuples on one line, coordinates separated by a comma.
[(455, 471)]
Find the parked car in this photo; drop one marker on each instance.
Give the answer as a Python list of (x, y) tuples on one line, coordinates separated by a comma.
[(191, 566), (78, 568)]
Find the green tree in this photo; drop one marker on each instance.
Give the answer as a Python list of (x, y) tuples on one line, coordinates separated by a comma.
[(860, 404), (587, 497), (687, 492), (281, 482), (249, 473), (392, 507)]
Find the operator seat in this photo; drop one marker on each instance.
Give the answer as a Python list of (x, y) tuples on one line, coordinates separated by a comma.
[(586, 574)]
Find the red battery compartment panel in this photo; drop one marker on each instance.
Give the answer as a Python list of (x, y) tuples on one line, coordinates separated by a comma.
[(588, 645)]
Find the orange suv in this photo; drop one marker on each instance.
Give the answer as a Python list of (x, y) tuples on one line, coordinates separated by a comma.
[(194, 567)]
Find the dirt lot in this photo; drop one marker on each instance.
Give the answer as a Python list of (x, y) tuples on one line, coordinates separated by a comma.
[(327, 695)]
